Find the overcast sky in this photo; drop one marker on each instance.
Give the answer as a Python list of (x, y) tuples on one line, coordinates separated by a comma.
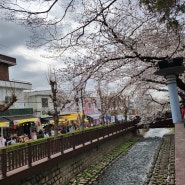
[(31, 67)]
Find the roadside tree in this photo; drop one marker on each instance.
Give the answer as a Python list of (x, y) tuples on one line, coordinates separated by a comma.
[(117, 38)]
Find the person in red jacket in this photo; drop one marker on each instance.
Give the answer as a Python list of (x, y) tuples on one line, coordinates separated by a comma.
[(183, 111)]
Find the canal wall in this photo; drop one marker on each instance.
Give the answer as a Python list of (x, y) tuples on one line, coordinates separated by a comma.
[(60, 170)]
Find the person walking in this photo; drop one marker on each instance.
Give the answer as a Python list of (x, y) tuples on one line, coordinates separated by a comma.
[(183, 113), (46, 135), (2, 141)]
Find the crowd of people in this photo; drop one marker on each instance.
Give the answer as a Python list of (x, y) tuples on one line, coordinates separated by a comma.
[(34, 133), (31, 131), (13, 139)]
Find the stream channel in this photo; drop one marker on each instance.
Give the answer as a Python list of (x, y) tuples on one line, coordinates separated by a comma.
[(132, 168)]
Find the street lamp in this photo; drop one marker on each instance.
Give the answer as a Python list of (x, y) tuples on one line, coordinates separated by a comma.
[(169, 68), (78, 112)]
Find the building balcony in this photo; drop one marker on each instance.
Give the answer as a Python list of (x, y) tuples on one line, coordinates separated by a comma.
[(16, 85)]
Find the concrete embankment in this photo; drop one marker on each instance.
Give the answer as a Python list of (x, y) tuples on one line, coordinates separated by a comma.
[(150, 161), (162, 170)]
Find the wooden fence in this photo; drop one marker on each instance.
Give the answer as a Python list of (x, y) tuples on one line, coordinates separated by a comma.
[(25, 155)]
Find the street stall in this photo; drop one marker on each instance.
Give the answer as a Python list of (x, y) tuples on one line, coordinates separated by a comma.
[(73, 118), (60, 121), (46, 119), (3, 125), (94, 118), (46, 122), (20, 125), (67, 122)]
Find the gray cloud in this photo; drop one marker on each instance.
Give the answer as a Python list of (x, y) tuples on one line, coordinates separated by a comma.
[(13, 36), (21, 72)]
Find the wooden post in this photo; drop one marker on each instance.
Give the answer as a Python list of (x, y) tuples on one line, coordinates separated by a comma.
[(83, 137), (48, 148), (73, 141), (3, 163), (29, 155), (62, 145)]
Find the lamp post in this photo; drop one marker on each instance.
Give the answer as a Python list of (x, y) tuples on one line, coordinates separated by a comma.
[(169, 69), (78, 113)]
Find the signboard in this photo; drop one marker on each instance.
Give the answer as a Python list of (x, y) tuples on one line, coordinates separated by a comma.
[(113, 119), (120, 117)]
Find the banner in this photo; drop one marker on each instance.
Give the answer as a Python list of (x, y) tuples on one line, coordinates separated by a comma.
[(113, 119)]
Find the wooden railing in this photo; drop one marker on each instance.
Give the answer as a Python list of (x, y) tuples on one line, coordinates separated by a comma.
[(25, 155)]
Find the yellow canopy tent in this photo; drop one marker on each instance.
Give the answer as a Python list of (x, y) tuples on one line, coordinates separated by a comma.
[(71, 117), (21, 121), (66, 119), (61, 121), (4, 124)]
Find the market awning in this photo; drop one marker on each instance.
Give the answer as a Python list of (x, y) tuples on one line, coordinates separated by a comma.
[(60, 121), (47, 117), (95, 115), (71, 117), (17, 120), (4, 123)]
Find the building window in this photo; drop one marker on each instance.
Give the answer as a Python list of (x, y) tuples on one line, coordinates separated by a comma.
[(44, 112), (44, 102), (89, 105)]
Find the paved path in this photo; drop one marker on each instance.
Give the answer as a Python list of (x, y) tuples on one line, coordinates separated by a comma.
[(180, 154)]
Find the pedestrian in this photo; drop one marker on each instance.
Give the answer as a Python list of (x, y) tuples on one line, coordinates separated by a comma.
[(20, 139), (8, 141), (183, 113), (13, 140), (26, 138), (52, 132), (46, 135), (2, 141)]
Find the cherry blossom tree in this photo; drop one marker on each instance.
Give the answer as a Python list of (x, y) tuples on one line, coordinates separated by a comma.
[(59, 98), (118, 38), (169, 11), (6, 106)]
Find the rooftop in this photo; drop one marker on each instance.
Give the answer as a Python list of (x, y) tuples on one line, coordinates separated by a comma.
[(8, 60)]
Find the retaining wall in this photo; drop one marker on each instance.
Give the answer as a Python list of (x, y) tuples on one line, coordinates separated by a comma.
[(60, 170)]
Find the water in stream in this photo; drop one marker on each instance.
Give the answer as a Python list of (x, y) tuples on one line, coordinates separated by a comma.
[(131, 169)]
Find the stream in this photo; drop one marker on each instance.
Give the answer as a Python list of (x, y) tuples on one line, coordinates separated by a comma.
[(132, 168)]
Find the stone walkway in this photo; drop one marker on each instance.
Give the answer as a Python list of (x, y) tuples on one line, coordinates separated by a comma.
[(162, 170), (180, 154)]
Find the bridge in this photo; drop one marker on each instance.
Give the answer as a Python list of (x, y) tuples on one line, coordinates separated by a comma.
[(161, 123), (29, 158)]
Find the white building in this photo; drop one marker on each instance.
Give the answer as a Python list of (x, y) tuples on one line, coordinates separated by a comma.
[(7, 87), (40, 101), (17, 113)]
